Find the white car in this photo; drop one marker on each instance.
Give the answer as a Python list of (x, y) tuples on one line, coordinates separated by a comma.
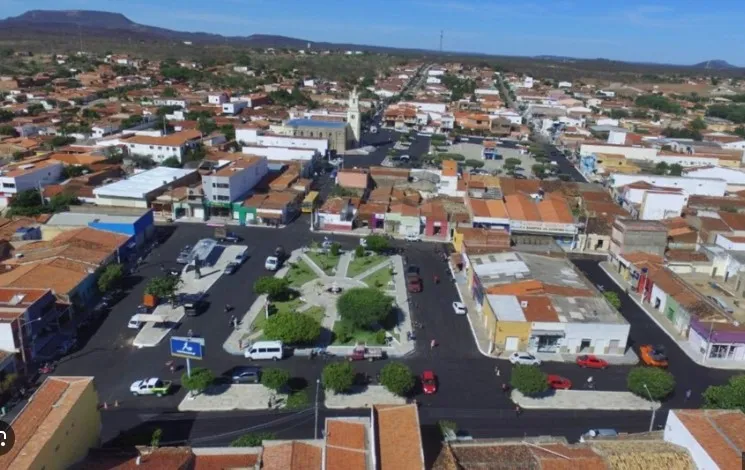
[(151, 386), (525, 359), (134, 323), (459, 308), (413, 237), (271, 263)]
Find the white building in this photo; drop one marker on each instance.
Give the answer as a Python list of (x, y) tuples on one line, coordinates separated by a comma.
[(234, 107), (565, 85), (101, 129), (713, 438), (735, 178), (254, 137), (691, 186), (632, 153), (235, 179), (182, 102), (738, 145), (434, 80), (18, 178), (164, 147), (140, 189), (426, 106), (435, 72), (217, 98), (660, 205)]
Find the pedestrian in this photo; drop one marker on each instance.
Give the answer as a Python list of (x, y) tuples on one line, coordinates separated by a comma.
[(232, 320), (496, 371), (436, 279), (589, 382), (190, 333), (505, 388), (432, 344), (173, 368), (518, 410), (688, 394)]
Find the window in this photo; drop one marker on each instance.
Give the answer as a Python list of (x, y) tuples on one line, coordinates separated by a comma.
[(223, 185), (223, 198), (9, 185)]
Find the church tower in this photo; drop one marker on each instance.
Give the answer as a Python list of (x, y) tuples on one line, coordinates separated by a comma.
[(353, 115)]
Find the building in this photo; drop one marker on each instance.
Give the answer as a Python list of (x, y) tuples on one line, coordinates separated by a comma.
[(628, 236), (354, 119), (234, 180), (141, 189), (24, 176), (24, 314), (691, 186), (542, 304), (57, 427), (136, 223), (164, 147), (338, 134), (714, 438), (252, 137)]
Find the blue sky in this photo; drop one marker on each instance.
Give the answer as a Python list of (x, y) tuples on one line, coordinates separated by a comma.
[(680, 31)]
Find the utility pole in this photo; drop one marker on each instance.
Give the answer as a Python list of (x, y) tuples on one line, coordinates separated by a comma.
[(441, 35), (654, 410), (315, 427)]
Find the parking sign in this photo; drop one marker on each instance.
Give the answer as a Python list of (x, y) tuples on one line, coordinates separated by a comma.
[(189, 348)]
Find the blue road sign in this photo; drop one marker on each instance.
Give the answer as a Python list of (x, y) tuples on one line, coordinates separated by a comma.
[(190, 348)]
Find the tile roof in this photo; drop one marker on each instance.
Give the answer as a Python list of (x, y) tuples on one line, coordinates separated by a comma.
[(163, 458), (405, 210), (537, 308), (567, 457), (449, 168), (733, 220), (176, 139), (293, 455), (40, 418), (721, 433), (62, 280), (225, 461), (398, 437), (346, 445)]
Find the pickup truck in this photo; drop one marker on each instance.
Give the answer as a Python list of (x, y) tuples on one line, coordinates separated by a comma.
[(413, 283), (363, 353)]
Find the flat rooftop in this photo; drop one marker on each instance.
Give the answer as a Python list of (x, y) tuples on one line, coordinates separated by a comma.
[(316, 123), (140, 184), (77, 219), (509, 267), (716, 287)]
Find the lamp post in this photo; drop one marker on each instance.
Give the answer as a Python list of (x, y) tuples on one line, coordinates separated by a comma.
[(315, 427), (654, 411)]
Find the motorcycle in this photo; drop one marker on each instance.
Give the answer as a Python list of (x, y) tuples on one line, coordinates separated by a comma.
[(47, 368)]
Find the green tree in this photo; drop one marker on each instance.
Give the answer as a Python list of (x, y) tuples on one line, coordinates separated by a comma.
[(697, 124), (359, 251), (110, 277), (661, 168), (472, 163), (377, 243), (163, 287), (364, 307), (675, 169), (730, 396), (335, 249), (338, 377), (171, 162), (275, 288), (612, 299), (89, 113), (397, 378), (512, 161), (169, 92), (229, 131), (8, 130), (6, 115), (206, 126), (297, 400), (274, 378), (659, 382), (529, 380), (292, 328), (199, 381), (254, 439), (619, 113)]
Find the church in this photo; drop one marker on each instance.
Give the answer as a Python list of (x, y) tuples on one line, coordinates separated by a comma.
[(342, 135)]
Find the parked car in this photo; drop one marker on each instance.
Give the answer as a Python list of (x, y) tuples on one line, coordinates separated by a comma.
[(412, 269), (230, 237), (246, 375), (183, 256), (524, 358), (280, 253), (653, 355), (241, 257), (559, 383), (414, 283), (194, 304), (134, 323), (231, 268), (591, 362), (363, 353), (429, 382), (413, 237), (459, 308), (720, 303), (151, 386), (595, 433), (271, 263), (263, 350)]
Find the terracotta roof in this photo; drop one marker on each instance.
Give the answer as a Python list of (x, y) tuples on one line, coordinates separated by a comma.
[(449, 168), (291, 456), (641, 256), (713, 224), (225, 461), (535, 287), (686, 255), (538, 308), (346, 445), (42, 416), (398, 437), (405, 210), (721, 433), (62, 280), (522, 207), (734, 221), (567, 457), (176, 139)]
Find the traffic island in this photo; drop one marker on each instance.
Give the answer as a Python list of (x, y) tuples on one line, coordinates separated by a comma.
[(233, 397), (584, 400), (362, 397)]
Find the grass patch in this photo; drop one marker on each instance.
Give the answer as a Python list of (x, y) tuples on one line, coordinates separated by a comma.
[(359, 265), (347, 335), (297, 400), (289, 306), (300, 273), (325, 261), (379, 279)]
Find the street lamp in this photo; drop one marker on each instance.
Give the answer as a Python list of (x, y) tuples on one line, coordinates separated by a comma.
[(315, 428), (654, 410)]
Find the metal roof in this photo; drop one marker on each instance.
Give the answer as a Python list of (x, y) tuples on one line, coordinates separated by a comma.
[(316, 123), (139, 185)]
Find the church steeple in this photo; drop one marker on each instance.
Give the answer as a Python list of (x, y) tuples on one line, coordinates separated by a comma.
[(353, 115)]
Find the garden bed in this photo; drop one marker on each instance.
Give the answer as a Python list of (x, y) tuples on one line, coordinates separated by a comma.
[(379, 279), (326, 261), (359, 265), (288, 306), (300, 273)]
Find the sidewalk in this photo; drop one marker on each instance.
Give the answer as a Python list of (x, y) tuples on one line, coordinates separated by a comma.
[(370, 395), (585, 400), (363, 232), (694, 354), (233, 397), (153, 333), (485, 346), (343, 265)]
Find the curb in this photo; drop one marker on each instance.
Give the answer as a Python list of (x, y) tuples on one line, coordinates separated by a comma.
[(470, 323), (659, 325), (517, 397)]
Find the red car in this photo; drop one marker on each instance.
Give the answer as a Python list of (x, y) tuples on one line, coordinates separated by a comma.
[(559, 383), (592, 362), (429, 382)]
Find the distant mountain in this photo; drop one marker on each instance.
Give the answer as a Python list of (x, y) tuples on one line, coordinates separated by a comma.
[(717, 64)]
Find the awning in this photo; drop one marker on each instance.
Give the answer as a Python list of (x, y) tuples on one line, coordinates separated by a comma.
[(547, 333)]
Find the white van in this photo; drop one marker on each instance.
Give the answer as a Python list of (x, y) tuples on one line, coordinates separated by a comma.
[(265, 350)]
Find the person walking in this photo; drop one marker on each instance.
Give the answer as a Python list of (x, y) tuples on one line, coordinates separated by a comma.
[(497, 371), (688, 394), (590, 384), (518, 410), (190, 333), (432, 344), (505, 388)]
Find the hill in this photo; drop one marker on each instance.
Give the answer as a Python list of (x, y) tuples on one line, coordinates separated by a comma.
[(717, 64)]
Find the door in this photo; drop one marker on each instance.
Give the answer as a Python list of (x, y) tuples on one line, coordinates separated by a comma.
[(199, 213), (512, 343)]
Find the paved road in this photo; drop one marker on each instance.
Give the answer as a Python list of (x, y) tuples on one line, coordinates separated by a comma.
[(565, 166)]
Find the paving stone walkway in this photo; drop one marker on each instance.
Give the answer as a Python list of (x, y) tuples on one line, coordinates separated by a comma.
[(585, 400), (363, 398), (233, 397)]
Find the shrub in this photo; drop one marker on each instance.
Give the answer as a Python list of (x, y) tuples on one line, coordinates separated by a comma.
[(359, 252), (274, 379), (660, 383), (729, 396), (252, 440), (380, 337), (199, 381), (297, 400), (529, 380), (377, 243), (338, 377), (612, 299), (293, 328), (364, 307), (274, 287), (397, 378)]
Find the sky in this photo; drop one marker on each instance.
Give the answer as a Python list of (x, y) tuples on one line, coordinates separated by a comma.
[(675, 32)]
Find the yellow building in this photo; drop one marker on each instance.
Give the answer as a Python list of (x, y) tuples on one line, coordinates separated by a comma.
[(58, 426), (615, 163)]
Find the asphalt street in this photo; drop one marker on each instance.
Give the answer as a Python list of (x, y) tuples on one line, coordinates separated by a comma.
[(565, 166)]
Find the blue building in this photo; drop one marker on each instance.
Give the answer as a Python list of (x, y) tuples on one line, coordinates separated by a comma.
[(588, 164), (138, 224)]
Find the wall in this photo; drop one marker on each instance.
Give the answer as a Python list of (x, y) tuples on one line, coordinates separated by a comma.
[(676, 433), (693, 186), (660, 206), (279, 153), (633, 153), (599, 334), (659, 294), (121, 202), (505, 329), (728, 244), (7, 343), (156, 152), (78, 432)]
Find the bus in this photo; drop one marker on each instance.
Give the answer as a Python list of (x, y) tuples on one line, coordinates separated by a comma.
[(310, 202)]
